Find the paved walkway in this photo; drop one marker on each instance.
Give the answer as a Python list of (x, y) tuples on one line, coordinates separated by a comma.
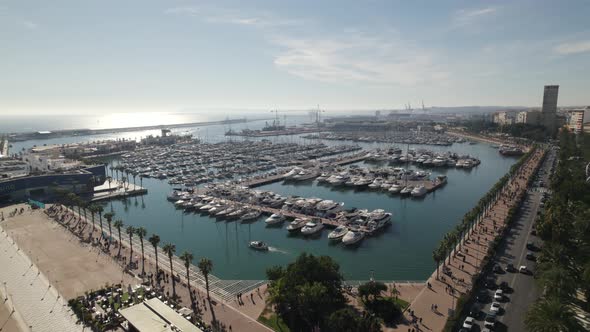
[(34, 299), (466, 261), (241, 317)]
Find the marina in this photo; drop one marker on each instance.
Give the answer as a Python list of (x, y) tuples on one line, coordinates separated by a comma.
[(381, 136), (403, 244), (193, 162)]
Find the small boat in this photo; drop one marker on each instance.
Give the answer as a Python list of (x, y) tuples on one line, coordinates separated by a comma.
[(338, 233), (419, 191), (251, 216), (395, 188), (312, 227), (353, 237), (297, 224), (406, 191), (275, 219), (258, 245)]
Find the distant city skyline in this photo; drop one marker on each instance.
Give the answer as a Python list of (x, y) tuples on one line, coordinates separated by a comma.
[(179, 56)]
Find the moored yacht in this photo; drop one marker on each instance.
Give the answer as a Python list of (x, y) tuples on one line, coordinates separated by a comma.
[(275, 219), (297, 224), (406, 191), (338, 233), (352, 237), (312, 227), (419, 191)]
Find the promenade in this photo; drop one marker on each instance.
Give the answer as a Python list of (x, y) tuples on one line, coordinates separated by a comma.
[(432, 307), (35, 304), (224, 310)]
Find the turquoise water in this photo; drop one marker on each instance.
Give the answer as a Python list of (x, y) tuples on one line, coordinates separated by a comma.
[(402, 252)]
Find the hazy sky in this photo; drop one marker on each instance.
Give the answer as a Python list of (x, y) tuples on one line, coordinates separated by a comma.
[(125, 56)]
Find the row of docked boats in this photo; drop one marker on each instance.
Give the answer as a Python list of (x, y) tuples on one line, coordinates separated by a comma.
[(191, 163), (405, 137), (422, 157), (388, 179)]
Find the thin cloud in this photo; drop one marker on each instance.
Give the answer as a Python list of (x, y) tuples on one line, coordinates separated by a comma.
[(29, 25), (465, 17), (572, 47), (218, 15), (357, 58), (190, 11)]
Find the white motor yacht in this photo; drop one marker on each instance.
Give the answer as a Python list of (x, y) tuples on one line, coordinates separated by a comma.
[(395, 188), (297, 224), (407, 190), (258, 245), (275, 219), (338, 233), (352, 237), (312, 228), (418, 191), (329, 207)]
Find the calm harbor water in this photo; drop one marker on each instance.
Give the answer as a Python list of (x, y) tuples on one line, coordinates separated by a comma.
[(402, 252)]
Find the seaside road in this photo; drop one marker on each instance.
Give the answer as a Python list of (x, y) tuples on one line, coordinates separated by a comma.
[(434, 304), (525, 291)]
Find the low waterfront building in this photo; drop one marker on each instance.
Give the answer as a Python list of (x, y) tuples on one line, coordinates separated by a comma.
[(154, 316), (40, 172)]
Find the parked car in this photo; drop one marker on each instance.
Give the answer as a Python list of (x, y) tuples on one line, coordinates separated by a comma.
[(482, 297), (468, 323), (531, 256), (490, 320), (490, 284), (498, 269), (495, 307), (524, 270), (499, 295), (510, 268), (504, 286), (531, 245)]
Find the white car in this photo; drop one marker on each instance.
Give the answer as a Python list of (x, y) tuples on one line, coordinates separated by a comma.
[(499, 295), (468, 323), (495, 307), (523, 269)]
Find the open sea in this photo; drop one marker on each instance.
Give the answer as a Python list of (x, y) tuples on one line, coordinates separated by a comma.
[(402, 252)]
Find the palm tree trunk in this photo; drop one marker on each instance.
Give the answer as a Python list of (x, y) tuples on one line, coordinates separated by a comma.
[(142, 259), (207, 286), (188, 283), (120, 242), (157, 268), (173, 280)]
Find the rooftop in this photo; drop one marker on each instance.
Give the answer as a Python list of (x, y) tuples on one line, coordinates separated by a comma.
[(154, 316)]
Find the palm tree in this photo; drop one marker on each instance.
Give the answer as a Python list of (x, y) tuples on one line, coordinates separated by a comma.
[(169, 249), (99, 210), (550, 314), (118, 225), (109, 217), (84, 207), (130, 230), (155, 240), (141, 233), (187, 257), (206, 266), (92, 208)]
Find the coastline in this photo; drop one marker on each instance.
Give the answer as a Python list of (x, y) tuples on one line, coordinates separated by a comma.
[(26, 136)]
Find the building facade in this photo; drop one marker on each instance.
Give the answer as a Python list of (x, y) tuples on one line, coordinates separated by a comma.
[(576, 121), (549, 109), (529, 117)]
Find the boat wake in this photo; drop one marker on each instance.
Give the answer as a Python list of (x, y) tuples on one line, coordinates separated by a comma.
[(273, 249)]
